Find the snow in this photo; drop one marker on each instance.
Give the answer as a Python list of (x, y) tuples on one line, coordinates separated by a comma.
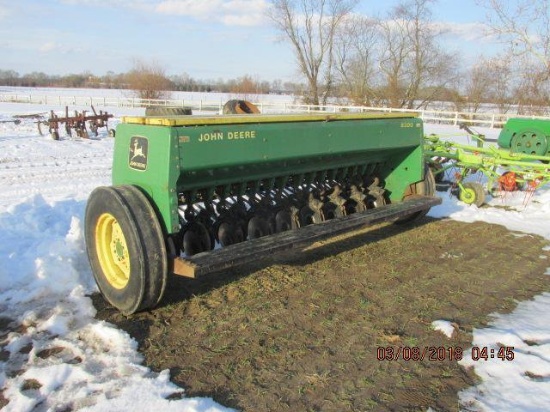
[(61, 357), (522, 384), (45, 283), (444, 326)]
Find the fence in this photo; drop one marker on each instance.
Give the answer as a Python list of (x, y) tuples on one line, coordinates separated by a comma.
[(491, 120)]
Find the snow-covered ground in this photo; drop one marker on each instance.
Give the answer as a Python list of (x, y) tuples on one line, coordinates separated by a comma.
[(60, 357)]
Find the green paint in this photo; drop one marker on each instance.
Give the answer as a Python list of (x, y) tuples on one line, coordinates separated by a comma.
[(196, 154), (529, 136)]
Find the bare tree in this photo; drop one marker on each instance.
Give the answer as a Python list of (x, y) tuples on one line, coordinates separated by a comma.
[(478, 84), (245, 86), (310, 26), (148, 80), (356, 59), (532, 91), (415, 67), (489, 81), (524, 25), (393, 60), (501, 88)]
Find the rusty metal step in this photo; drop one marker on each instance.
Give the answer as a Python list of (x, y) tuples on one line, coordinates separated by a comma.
[(254, 250)]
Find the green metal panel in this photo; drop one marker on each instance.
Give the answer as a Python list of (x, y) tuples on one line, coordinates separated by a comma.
[(155, 171), (530, 136), (192, 153), (221, 154)]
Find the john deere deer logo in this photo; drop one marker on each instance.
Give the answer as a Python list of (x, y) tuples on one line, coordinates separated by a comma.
[(139, 146)]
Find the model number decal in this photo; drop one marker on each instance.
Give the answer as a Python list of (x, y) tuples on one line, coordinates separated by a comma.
[(237, 135)]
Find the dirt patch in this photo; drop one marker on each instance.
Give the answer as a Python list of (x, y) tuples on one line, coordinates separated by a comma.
[(4, 354), (303, 332)]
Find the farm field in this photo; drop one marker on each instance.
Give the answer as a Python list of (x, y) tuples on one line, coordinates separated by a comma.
[(299, 332), (303, 332)]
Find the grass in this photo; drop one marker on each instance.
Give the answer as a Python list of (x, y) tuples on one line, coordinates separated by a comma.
[(301, 332)]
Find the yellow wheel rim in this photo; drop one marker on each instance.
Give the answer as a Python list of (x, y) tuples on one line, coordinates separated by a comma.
[(112, 251), (468, 195)]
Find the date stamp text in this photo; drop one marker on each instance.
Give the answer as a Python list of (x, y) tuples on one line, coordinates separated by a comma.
[(442, 353)]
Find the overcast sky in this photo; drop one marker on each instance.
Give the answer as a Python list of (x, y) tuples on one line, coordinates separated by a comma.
[(208, 39)]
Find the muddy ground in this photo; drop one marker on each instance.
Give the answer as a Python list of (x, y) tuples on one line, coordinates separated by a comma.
[(301, 332)]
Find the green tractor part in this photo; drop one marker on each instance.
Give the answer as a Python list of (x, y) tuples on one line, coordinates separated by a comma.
[(527, 136), (193, 195), (505, 170)]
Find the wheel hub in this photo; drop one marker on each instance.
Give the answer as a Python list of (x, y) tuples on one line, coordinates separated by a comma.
[(468, 196), (112, 251), (529, 143)]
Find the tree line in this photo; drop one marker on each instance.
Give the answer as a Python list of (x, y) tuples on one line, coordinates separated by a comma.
[(149, 81), (399, 59)]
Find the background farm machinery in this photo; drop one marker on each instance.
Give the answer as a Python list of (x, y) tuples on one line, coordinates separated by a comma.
[(77, 122), (14, 121), (520, 162)]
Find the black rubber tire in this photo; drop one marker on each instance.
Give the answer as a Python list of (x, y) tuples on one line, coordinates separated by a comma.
[(239, 107), (144, 239), (429, 182), (229, 107), (478, 193), (168, 111)]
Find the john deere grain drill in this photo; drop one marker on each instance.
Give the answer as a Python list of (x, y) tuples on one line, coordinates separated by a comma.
[(193, 195)]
